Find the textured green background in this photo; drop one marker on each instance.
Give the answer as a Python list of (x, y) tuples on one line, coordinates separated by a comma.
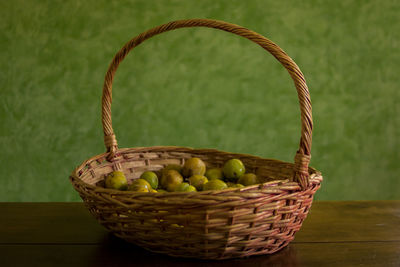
[(200, 88)]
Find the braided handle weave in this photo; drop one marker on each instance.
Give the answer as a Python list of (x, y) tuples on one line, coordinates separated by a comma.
[(303, 155)]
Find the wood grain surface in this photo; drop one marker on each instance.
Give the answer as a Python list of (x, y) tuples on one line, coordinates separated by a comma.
[(350, 233)]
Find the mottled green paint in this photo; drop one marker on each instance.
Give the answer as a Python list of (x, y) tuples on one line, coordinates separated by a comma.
[(200, 88)]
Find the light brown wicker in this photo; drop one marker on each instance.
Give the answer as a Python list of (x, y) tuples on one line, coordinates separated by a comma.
[(230, 223)]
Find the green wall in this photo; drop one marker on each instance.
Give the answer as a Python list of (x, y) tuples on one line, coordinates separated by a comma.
[(199, 87)]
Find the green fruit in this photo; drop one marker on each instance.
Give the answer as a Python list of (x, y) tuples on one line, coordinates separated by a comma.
[(193, 166), (142, 189), (230, 184), (198, 181), (215, 184), (248, 179), (172, 180), (165, 170), (116, 180), (162, 191), (175, 167), (233, 185), (151, 178), (191, 188), (233, 169), (185, 187), (140, 185), (214, 173), (181, 187)]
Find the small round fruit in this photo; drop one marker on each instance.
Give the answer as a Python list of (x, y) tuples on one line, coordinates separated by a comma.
[(214, 173), (233, 185), (151, 178), (162, 191), (164, 171), (142, 189), (191, 188), (248, 179), (215, 184), (198, 181), (175, 167), (193, 166), (181, 187), (116, 180), (233, 169), (185, 187), (172, 180), (230, 184), (139, 184)]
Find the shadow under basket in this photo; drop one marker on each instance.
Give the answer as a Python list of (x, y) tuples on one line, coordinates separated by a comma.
[(229, 223)]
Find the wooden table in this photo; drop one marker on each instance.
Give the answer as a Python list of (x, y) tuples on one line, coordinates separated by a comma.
[(346, 233)]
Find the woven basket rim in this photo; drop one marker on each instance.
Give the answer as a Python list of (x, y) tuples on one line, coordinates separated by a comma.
[(315, 175)]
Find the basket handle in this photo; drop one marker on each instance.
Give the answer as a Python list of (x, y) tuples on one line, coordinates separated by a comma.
[(303, 155)]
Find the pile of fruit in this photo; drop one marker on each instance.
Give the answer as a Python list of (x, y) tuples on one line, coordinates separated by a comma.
[(191, 177)]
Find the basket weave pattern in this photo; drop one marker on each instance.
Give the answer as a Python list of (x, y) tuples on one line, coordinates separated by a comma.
[(208, 224), (234, 222)]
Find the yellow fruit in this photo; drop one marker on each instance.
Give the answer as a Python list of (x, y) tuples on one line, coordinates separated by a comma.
[(248, 179), (162, 191), (142, 189), (214, 173), (191, 188), (233, 185), (185, 187), (151, 178), (153, 191), (193, 166), (230, 184), (215, 184), (198, 181), (181, 187), (140, 185), (116, 180), (233, 169), (175, 167), (172, 179)]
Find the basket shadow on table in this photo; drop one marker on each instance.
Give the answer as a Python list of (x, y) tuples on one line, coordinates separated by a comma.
[(114, 251)]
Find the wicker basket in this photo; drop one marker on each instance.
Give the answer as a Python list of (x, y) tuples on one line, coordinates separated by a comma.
[(259, 219)]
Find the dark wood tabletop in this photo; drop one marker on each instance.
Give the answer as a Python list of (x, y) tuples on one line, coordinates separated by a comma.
[(345, 233)]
